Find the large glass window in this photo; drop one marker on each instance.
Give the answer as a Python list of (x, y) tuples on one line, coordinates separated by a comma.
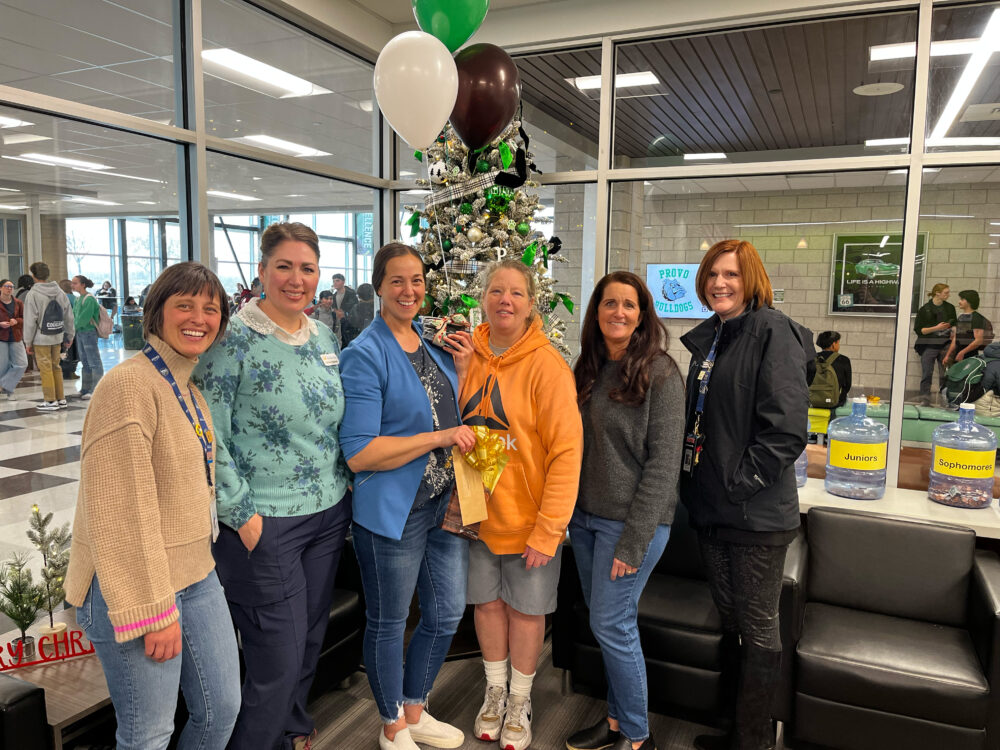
[(115, 54), (271, 85), (962, 105), (341, 214), (804, 90), (11, 246), (960, 217)]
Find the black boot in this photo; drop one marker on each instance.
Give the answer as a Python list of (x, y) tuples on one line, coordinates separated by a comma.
[(730, 655), (758, 679)]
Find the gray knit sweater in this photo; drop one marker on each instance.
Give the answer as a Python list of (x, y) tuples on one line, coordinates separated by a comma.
[(632, 456)]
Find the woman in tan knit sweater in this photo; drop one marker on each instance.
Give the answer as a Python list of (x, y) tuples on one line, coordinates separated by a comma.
[(141, 572)]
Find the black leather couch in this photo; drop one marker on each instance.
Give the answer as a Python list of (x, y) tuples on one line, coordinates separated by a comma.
[(679, 628), (900, 638), (23, 721)]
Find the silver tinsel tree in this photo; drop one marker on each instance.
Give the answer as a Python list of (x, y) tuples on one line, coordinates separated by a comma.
[(469, 220)]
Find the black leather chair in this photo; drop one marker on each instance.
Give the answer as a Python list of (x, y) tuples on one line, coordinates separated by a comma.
[(679, 628), (900, 638), (23, 721)]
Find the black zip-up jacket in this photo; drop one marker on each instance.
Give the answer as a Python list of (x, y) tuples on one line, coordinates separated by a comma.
[(755, 421)]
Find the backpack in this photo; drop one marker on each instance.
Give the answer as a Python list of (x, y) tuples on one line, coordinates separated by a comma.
[(53, 319), (824, 391), (962, 384), (104, 323)]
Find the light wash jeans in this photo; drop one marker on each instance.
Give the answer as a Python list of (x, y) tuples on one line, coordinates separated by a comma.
[(614, 607), (435, 563), (91, 369), (144, 692), (13, 363)]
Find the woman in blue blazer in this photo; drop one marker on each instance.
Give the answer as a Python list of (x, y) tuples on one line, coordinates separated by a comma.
[(400, 424)]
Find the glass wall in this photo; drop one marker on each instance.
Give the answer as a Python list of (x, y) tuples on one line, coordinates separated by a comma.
[(11, 246)]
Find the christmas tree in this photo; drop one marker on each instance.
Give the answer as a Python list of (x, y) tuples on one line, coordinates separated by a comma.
[(20, 596), (54, 548), (482, 208)]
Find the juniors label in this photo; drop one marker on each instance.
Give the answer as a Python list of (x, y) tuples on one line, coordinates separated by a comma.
[(954, 462), (862, 456)]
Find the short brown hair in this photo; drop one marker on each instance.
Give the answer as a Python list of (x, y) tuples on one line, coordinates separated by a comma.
[(295, 231), (756, 282), (387, 253), (39, 270), (182, 278)]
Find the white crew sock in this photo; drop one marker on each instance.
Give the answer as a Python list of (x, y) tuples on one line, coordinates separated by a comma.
[(520, 684), (496, 673)]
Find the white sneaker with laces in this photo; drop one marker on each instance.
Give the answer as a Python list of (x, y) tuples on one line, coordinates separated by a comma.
[(62, 403), (516, 732), (48, 406), (430, 731), (402, 741), (489, 720)]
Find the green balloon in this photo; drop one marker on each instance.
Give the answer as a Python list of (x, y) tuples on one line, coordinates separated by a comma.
[(451, 21)]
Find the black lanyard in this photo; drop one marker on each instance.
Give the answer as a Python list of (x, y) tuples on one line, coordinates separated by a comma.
[(703, 377), (201, 428)]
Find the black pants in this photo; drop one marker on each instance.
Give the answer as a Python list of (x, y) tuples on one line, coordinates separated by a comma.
[(745, 581)]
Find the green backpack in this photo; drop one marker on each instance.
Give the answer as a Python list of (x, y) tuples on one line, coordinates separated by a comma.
[(962, 384), (824, 391)]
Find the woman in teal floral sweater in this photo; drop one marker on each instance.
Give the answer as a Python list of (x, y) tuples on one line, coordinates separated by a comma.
[(274, 389)]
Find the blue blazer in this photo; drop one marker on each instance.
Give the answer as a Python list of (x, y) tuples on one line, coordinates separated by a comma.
[(385, 397)]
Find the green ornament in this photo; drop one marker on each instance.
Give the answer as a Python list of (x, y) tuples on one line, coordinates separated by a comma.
[(465, 208), (482, 166), (523, 228), (446, 245), (498, 198)]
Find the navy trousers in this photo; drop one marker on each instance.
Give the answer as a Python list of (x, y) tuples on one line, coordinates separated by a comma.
[(279, 597)]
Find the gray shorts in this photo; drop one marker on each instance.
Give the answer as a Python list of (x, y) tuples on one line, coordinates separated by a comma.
[(492, 577)]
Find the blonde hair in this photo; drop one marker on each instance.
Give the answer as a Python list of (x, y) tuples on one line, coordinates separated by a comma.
[(512, 264)]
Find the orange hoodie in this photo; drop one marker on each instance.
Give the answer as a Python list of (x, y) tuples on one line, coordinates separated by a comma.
[(530, 401)]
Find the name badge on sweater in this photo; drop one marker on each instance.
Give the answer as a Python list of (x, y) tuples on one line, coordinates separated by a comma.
[(214, 513), (330, 359)]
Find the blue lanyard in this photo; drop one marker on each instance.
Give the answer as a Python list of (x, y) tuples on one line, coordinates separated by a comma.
[(703, 377), (201, 428)]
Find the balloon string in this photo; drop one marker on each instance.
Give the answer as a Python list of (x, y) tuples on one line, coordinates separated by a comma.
[(437, 225)]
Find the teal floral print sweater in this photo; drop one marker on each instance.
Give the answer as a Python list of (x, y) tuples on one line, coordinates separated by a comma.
[(277, 410)]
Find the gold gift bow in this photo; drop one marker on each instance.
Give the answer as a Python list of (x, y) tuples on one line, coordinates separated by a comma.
[(489, 456)]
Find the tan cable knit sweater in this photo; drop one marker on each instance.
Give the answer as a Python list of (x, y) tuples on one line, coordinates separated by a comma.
[(143, 513)]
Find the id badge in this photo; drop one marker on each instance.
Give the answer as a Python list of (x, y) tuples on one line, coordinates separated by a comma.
[(692, 452), (213, 510)]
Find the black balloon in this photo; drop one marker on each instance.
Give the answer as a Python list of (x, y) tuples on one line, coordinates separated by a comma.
[(489, 89)]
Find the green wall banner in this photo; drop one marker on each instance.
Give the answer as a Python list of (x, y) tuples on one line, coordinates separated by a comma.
[(865, 274)]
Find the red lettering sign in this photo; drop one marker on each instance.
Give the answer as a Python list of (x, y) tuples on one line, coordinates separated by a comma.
[(51, 648)]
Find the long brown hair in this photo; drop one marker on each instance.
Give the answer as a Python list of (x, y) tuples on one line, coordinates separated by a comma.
[(649, 341)]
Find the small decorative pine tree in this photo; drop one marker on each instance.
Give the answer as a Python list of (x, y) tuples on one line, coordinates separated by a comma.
[(20, 596), (472, 218), (54, 548)]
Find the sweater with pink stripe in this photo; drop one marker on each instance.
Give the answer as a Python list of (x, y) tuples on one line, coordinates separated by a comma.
[(143, 522)]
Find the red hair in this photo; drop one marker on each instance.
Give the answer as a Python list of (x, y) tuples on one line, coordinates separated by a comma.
[(756, 282)]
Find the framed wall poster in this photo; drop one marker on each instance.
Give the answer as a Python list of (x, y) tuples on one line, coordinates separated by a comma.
[(673, 290), (864, 274)]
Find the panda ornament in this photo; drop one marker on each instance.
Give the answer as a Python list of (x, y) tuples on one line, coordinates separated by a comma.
[(437, 172)]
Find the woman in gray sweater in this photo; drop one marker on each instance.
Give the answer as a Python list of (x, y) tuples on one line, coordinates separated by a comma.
[(631, 398)]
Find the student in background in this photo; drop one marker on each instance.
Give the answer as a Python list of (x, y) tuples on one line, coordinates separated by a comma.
[(13, 360), (933, 328), (324, 313), (829, 342), (968, 337), (48, 329)]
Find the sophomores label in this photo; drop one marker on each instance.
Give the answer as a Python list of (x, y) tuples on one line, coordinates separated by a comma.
[(954, 462), (862, 456)]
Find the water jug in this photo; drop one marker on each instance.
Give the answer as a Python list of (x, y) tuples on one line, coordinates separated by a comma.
[(963, 462), (856, 455)]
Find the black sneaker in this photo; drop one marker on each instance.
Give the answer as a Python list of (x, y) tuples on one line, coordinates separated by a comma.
[(624, 743), (596, 737)]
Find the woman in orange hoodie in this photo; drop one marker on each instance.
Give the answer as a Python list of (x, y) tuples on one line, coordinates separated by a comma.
[(521, 388)]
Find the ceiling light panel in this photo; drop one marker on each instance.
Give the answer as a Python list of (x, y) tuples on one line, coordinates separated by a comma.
[(58, 161), (282, 146), (622, 80), (247, 72), (11, 122), (231, 196)]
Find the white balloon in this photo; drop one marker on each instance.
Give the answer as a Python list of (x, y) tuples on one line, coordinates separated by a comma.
[(416, 84)]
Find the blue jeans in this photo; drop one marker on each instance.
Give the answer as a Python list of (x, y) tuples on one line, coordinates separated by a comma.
[(90, 360), (613, 614), (144, 692), (432, 562), (13, 363)]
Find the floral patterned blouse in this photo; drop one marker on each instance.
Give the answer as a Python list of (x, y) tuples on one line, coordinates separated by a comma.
[(277, 408)]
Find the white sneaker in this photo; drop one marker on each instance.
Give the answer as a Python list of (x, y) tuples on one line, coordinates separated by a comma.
[(62, 403), (430, 731), (490, 717), (85, 396), (402, 741), (48, 406), (516, 732)]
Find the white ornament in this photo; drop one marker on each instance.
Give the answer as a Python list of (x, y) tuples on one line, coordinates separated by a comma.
[(474, 234), (437, 172)]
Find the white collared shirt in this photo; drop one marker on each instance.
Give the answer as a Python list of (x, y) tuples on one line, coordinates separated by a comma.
[(257, 319)]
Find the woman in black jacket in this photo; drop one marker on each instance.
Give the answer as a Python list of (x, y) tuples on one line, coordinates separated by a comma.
[(747, 411)]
